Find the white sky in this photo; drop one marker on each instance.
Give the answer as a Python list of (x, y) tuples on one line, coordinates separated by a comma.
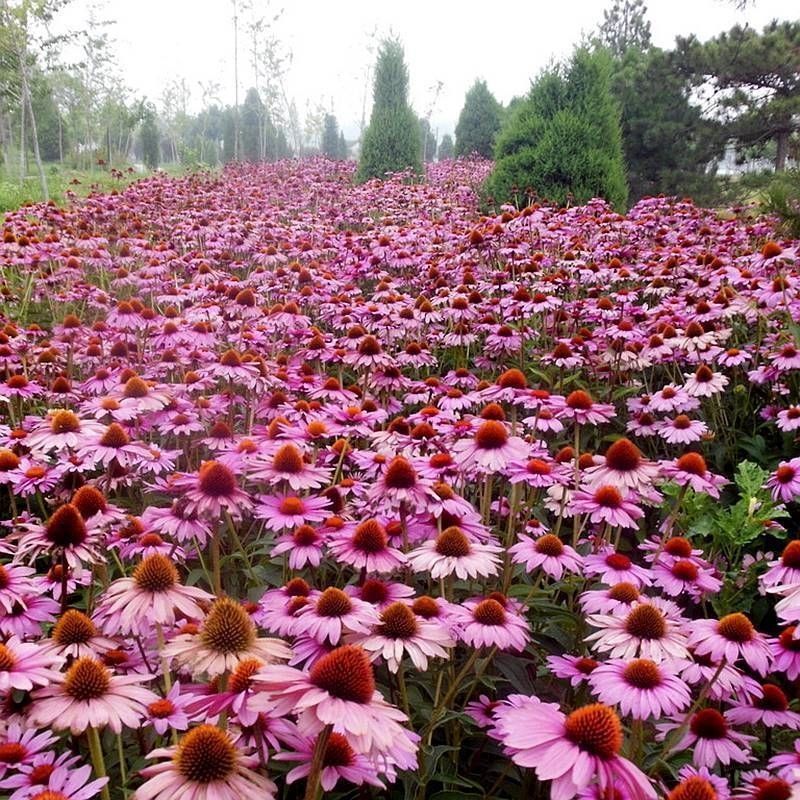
[(506, 43)]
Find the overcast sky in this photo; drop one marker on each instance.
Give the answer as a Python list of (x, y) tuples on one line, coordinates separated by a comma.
[(506, 43)]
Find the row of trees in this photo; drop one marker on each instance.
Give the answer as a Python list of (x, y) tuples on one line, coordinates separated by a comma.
[(621, 119)]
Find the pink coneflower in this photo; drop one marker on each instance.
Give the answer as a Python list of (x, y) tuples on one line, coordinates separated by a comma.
[(226, 637), (547, 552), (575, 669), (113, 445), (339, 691), (704, 382), (401, 632), (646, 631), (786, 653), (710, 738), (678, 575), (723, 680), (16, 581), (288, 466), (290, 511), (213, 490), (607, 504), (573, 751), (640, 688), (787, 764), (789, 419), (76, 636), (339, 762), (490, 449), (399, 484), (239, 699), (613, 567), (785, 481), (691, 470), (366, 546), (731, 637), (303, 544), (380, 593), (580, 406), (59, 779), (615, 600), (152, 595), (681, 430), (204, 764), (762, 785), (624, 467), (89, 695), (169, 712), (331, 614), (62, 430), (490, 622), (672, 398), (19, 746), (768, 706), (24, 665), (783, 572), (453, 553), (538, 473), (700, 784)]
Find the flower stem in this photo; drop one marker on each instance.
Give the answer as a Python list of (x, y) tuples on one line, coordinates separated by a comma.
[(98, 763), (317, 763)]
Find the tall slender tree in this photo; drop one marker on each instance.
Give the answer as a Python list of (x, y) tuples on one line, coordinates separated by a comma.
[(478, 122), (391, 142)]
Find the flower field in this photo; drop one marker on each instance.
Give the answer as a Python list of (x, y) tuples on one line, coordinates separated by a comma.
[(311, 488)]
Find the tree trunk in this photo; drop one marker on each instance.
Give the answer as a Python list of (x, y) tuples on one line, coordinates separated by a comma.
[(782, 151)]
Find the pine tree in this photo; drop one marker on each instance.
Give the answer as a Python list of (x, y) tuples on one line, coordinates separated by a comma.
[(478, 122), (250, 127), (625, 26), (150, 138), (330, 137), (563, 141), (427, 139), (342, 150), (757, 78), (446, 149), (229, 135), (391, 142)]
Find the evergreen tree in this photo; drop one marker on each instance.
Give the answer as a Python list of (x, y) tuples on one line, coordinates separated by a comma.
[(391, 142), (478, 122), (283, 150), (251, 127), (563, 142), (666, 141), (50, 127), (150, 138), (625, 27), (229, 135), (342, 150), (330, 137), (446, 149), (757, 78), (427, 139)]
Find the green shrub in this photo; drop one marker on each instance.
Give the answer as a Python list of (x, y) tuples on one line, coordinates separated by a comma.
[(782, 198), (563, 141)]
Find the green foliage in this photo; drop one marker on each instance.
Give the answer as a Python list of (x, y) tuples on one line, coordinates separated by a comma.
[(666, 141), (446, 148), (250, 127), (782, 198), (427, 139), (50, 126), (478, 122), (150, 139), (756, 77), (391, 142), (330, 137), (563, 141), (625, 27), (342, 150)]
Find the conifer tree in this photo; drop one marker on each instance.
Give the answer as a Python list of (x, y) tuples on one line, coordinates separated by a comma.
[(478, 122), (563, 141), (391, 142), (330, 137), (446, 149)]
